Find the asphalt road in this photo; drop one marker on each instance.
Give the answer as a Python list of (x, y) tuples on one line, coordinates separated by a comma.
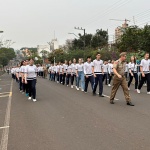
[(66, 119)]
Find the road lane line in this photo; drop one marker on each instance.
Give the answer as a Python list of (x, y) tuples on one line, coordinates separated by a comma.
[(5, 95), (6, 85), (109, 97), (4, 127), (4, 140)]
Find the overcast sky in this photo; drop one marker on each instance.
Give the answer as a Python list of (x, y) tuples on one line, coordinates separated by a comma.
[(32, 22)]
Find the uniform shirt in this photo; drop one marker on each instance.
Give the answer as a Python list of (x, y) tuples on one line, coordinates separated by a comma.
[(73, 68), (80, 67), (127, 68), (120, 67), (110, 68), (22, 69), (98, 65), (12, 70), (105, 68), (31, 72), (57, 68), (65, 67), (145, 64), (88, 68), (132, 67), (61, 68), (49, 69), (69, 69)]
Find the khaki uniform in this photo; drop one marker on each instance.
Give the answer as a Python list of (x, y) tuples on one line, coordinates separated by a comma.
[(120, 68)]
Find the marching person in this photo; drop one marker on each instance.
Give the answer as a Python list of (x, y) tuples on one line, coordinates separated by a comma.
[(68, 74), (88, 73), (98, 75), (80, 75), (145, 71), (120, 79), (30, 78), (73, 73), (65, 65), (110, 71), (61, 72), (105, 69), (133, 72)]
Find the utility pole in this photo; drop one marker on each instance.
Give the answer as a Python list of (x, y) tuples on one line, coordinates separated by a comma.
[(84, 33)]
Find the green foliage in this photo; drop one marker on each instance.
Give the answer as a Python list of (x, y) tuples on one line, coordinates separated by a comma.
[(98, 40), (135, 39), (6, 54), (61, 56)]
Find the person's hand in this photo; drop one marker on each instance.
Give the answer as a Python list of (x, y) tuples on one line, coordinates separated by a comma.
[(94, 75), (132, 74), (77, 75), (119, 76), (143, 75), (26, 82), (86, 76)]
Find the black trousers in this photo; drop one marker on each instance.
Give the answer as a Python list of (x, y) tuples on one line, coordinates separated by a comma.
[(87, 80), (135, 75), (110, 77), (32, 88), (72, 79), (57, 77), (64, 78), (60, 77), (105, 78), (68, 78), (143, 79), (98, 80), (20, 83)]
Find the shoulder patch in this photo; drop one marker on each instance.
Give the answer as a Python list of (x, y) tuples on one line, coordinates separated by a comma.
[(116, 62)]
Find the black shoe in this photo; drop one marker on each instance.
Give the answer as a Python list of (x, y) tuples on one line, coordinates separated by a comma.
[(112, 102), (130, 104), (94, 94), (101, 95)]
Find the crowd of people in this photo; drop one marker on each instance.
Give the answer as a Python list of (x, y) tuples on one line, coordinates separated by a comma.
[(78, 74)]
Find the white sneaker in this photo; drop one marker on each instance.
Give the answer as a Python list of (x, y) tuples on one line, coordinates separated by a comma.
[(109, 85), (82, 90), (72, 86), (138, 91), (77, 89), (145, 84), (22, 92), (128, 89), (34, 100), (148, 93), (57, 81), (29, 98), (67, 85)]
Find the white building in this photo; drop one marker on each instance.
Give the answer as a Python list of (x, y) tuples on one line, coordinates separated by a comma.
[(54, 44), (40, 48)]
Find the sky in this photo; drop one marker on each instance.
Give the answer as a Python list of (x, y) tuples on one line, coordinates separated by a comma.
[(29, 23)]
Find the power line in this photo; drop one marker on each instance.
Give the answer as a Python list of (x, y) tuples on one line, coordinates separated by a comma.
[(108, 11)]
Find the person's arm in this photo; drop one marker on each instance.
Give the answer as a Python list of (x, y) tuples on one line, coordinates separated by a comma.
[(77, 70), (141, 69), (115, 71)]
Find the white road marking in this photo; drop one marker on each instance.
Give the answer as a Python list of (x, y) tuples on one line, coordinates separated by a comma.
[(5, 95), (4, 140), (6, 85), (4, 127), (109, 97)]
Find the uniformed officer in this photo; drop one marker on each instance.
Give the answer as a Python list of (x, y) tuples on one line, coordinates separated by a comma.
[(119, 79)]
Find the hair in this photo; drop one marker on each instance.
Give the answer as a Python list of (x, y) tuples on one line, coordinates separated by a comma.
[(133, 60), (30, 59), (98, 53), (88, 57), (146, 53)]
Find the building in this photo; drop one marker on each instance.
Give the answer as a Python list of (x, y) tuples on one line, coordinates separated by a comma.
[(54, 44), (120, 30), (41, 48)]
